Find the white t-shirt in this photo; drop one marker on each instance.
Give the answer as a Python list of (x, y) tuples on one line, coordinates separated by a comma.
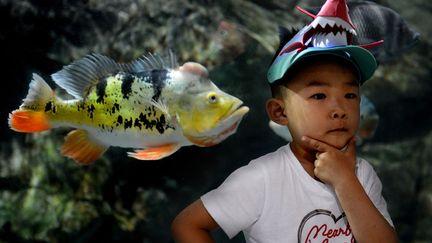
[(273, 199)]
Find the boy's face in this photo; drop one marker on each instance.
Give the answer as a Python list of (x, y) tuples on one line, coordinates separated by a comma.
[(323, 102)]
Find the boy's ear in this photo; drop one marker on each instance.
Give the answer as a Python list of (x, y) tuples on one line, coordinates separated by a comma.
[(275, 110)]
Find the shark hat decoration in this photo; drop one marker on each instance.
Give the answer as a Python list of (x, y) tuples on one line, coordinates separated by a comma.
[(329, 33)]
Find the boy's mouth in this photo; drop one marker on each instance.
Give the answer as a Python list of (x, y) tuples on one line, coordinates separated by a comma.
[(342, 129)]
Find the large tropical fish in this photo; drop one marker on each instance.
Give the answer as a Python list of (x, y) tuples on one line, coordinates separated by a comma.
[(150, 104)]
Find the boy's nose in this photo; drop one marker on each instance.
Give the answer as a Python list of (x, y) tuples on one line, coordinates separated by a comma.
[(338, 114)]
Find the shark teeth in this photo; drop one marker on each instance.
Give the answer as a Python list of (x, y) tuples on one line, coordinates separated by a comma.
[(332, 21), (329, 39)]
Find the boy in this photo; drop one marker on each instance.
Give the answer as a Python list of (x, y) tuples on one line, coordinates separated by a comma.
[(314, 189)]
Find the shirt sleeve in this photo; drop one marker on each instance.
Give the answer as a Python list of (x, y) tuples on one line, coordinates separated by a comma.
[(237, 203), (373, 187)]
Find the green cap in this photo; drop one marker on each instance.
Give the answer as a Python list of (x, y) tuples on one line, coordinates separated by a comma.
[(361, 58)]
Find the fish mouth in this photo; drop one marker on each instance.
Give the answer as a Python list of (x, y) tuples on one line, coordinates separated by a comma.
[(235, 111), (225, 128), (329, 32)]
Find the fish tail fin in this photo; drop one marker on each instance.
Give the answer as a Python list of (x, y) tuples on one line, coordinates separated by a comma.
[(30, 117), (28, 121)]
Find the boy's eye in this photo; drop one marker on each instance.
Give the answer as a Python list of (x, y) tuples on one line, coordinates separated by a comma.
[(351, 96), (318, 96)]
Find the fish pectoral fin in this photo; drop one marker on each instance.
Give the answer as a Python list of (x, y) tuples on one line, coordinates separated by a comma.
[(80, 147), (161, 105), (155, 153)]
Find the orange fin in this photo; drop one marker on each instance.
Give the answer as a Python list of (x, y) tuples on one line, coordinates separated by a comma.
[(82, 148), (28, 121), (155, 153)]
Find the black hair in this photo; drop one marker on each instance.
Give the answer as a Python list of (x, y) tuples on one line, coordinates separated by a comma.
[(285, 35)]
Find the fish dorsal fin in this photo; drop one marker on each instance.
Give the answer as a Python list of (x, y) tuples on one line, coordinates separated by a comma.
[(78, 77), (152, 61)]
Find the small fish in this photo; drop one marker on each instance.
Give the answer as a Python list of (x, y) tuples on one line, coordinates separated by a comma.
[(376, 22), (232, 39), (151, 104), (228, 42), (369, 120)]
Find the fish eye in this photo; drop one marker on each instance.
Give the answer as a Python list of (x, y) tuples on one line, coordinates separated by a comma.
[(212, 98), (223, 33)]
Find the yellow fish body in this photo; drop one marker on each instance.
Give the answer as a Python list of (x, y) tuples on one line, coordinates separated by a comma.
[(151, 104)]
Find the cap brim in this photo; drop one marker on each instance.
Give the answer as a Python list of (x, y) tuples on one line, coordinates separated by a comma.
[(362, 59)]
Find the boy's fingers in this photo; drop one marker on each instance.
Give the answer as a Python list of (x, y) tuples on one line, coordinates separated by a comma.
[(317, 145)]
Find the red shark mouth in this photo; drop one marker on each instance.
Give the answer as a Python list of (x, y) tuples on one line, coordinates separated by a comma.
[(328, 32), (323, 32), (335, 34)]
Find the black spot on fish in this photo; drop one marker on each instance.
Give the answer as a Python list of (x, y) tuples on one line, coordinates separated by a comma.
[(146, 122), (157, 78), (90, 110), (100, 90), (142, 117), (115, 107), (126, 87), (137, 123), (160, 125), (151, 111), (48, 106), (119, 119), (162, 119), (80, 107), (128, 123)]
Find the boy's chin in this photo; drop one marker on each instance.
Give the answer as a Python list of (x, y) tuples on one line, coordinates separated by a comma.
[(338, 143)]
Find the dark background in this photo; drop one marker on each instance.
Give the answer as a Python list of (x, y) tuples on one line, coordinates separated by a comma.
[(45, 197)]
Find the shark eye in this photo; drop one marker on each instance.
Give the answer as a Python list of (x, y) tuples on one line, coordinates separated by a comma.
[(212, 97)]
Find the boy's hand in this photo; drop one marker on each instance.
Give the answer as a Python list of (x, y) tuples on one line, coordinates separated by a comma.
[(332, 166)]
